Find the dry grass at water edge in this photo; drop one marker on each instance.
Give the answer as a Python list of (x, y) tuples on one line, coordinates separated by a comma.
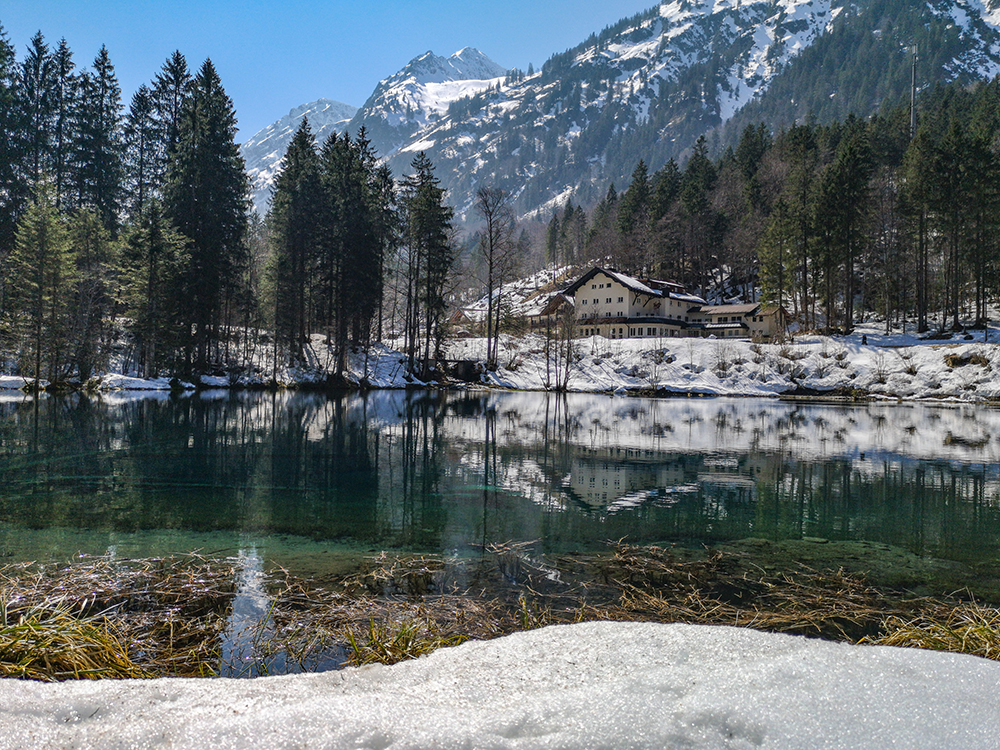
[(50, 642), (164, 616), (967, 629), (102, 618)]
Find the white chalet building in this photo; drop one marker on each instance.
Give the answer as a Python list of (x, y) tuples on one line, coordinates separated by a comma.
[(617, 306)]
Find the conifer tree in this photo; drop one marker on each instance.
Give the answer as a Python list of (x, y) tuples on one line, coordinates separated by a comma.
[(13, 190), (154, 264), (67, 114), (358, 230), (141, 153), (552, 233), (700, 235), (41, 275), (171, 88), (93, 293), (206, 200), (100, 152), (377, 194), (36, 102), (431, 255), (633, 223), (294, 220)]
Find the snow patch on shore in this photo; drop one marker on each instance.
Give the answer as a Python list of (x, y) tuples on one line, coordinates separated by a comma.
[(591, 685)]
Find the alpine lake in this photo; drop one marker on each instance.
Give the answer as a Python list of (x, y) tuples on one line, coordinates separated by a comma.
[(906, 494), (312, 482)]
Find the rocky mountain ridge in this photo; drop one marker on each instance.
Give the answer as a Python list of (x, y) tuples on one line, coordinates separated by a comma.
[(648, 86)]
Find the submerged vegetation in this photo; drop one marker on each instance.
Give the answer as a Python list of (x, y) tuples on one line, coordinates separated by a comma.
[(105, 618)]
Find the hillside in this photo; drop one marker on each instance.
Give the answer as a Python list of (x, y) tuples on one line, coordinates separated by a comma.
[(648, 86)]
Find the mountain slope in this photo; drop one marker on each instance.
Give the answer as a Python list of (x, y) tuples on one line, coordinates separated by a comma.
[(420, 94), (264, 151), (649, 86)]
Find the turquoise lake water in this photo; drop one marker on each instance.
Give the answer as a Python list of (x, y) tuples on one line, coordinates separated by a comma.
[(311, 482)]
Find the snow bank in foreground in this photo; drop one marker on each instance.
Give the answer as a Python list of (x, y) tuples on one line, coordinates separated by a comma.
[(593, 685)]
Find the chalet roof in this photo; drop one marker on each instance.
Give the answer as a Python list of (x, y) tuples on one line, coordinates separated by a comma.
[(730, 309), (552, 303), (627, 281), (637, 286), (689, 298)]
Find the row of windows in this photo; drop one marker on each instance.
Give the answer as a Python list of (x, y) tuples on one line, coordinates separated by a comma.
[(617, 333)]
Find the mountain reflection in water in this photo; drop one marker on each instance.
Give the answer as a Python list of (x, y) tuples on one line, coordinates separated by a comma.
[(312, 479)]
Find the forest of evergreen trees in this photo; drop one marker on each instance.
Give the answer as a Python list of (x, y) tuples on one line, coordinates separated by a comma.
[(835, 222), (126, 234), (135, 226)]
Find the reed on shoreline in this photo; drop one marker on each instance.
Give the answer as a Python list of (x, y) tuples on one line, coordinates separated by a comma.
[(105, 618)]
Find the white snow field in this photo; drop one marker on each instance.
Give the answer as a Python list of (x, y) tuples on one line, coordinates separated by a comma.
[(591, 685)]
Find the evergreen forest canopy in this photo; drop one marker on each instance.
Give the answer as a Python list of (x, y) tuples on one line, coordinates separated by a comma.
[(136, 226), (834, 222), (133, 225)]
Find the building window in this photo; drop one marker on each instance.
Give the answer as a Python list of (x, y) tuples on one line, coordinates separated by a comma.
[(621, 299), (607, 315), (649, 331), (609, 300)]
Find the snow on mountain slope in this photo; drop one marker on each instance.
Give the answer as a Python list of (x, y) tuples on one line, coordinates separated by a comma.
[(420, 93), (264, 151), (650, 85)]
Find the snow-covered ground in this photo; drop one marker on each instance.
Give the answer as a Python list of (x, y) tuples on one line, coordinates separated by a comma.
[(964, 368), (592, 685), (896, 366)]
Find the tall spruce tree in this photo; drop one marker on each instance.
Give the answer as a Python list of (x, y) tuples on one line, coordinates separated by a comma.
[(359, 229), (154, 264), (206, 199), (67, 119), (294, 220), (100, 151), (633, 223), (37, 104), (374, 236), (13, 189), (41, 275), (141, 153), (171, 88), (701, 233), (431, 256), (93, 292)]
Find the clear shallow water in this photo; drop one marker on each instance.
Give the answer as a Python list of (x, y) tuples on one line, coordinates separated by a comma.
[(312, 483)]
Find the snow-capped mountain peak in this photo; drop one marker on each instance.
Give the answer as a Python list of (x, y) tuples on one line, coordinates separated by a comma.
[(648, 86), (421, 93), (265, 150)]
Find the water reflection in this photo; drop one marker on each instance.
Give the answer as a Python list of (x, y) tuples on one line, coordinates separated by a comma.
[(441, 471)]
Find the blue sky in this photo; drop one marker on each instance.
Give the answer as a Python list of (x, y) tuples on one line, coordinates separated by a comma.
[(273, 56)]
